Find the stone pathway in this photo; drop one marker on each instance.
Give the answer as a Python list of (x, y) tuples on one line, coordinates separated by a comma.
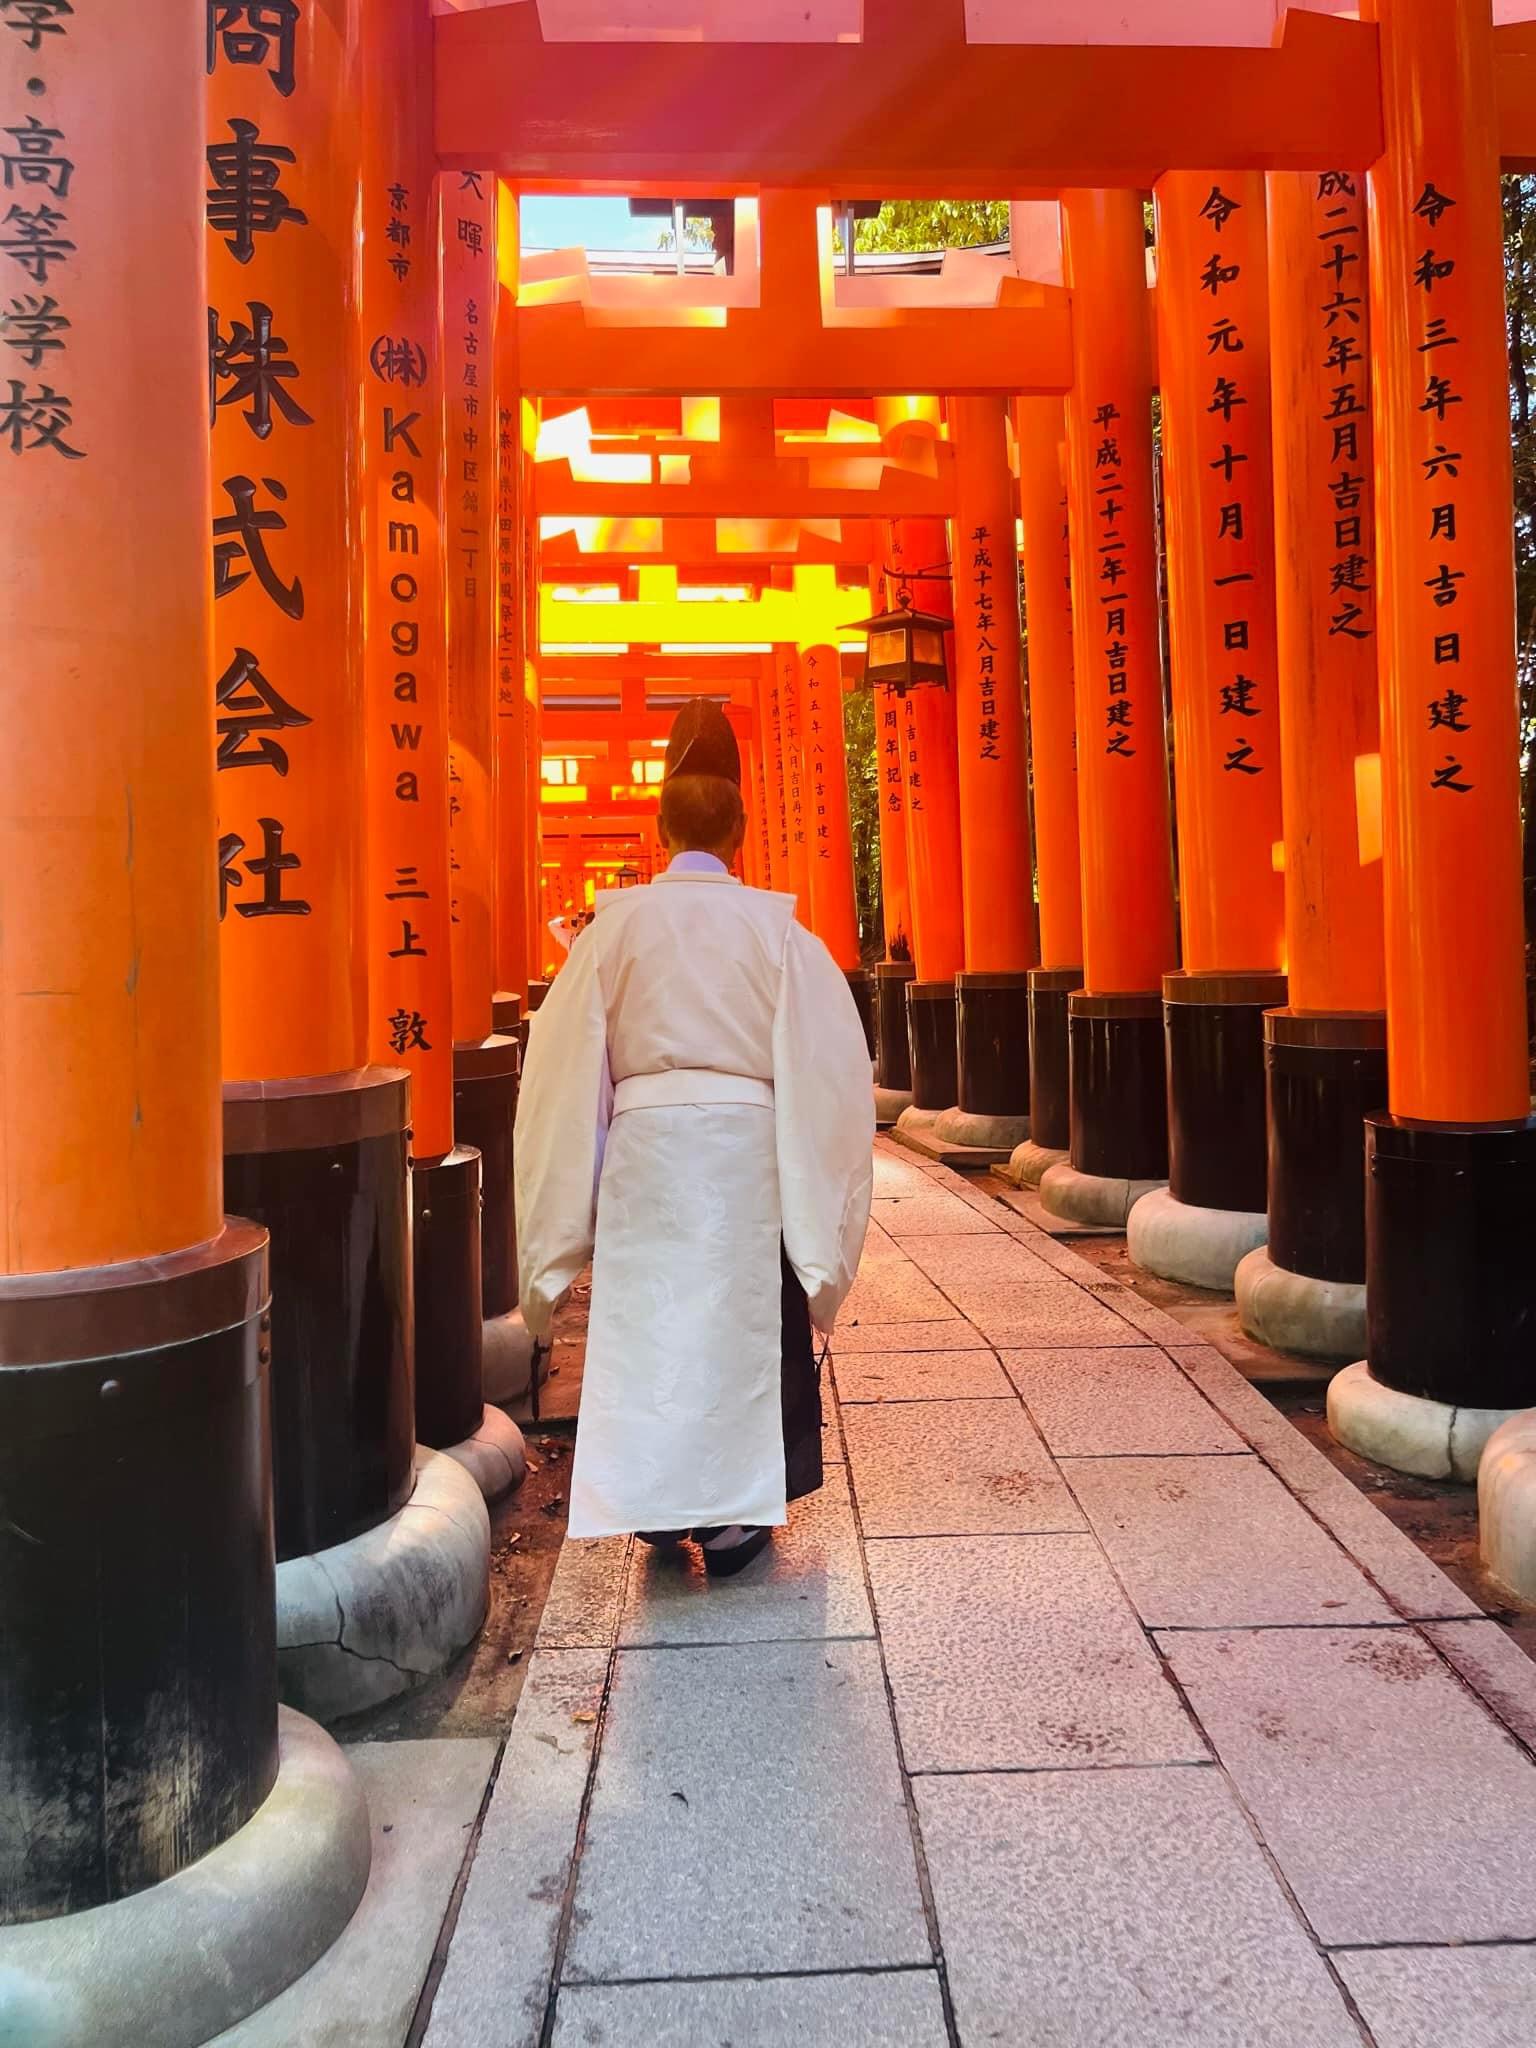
[(1087, 1706)]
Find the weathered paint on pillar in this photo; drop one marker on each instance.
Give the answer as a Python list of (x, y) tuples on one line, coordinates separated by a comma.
[(405, 688), (1325, 586), (533, 751), (797, 822), (109, 1141), (1456, 1024), (1213, 343), (834, 910), (769, 723), (1047, 559), (511, 858), (996, 859), (1128, 927), (282, 169), (471, 438), (759, 827), (932, 768)]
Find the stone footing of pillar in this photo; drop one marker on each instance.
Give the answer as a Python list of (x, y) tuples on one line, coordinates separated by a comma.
[(1406, 1432), (1296, 1312), (992, 1056), (1325, 1073), (1450, 1294), (1119, 1093), (445, 1200), (183, 1960), (509, 1357), (1106, 1201), (321, 1163), (485, 1081), (1201, 1247), (978, 1133), (1028, 1164), (890, 1105), (382, 1613), (1506, 1505), (495, 1456), (935, 1054), (893, 1048), (1050, 1056)]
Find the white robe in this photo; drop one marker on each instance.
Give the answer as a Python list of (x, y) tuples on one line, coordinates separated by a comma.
[(725, 1045)]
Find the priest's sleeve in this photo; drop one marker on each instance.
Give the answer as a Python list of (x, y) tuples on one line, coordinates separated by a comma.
[(557, 1150), (825, 1117)]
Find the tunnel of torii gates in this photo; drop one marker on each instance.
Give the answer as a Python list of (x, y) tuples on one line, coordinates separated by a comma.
[(350, 581)]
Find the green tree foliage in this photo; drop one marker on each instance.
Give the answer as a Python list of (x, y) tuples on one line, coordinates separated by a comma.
[(917, 225)]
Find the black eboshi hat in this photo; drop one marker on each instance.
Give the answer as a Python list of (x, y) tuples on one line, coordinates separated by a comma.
[(702, 743)]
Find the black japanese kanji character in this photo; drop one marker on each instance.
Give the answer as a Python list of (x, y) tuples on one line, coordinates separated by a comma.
[(256, 32), (30, 420), (256, 365), (32, 326), (245, 198), (1445, 778), (1447, 711), (1432, 205), (246, 528), (35, 161), (1219, 209), (395, 359), (269, 867), (34, 19), (30, 236), (408, 1032), (249, 705)]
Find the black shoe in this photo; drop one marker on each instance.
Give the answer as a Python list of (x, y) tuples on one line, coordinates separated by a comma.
[(663, 1539), (725, 1564)]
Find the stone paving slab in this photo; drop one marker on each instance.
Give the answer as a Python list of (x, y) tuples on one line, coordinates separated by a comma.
[(922, 1376), (997, 1283), (1398, 1809), (423, 1801), (1412, 1582), (899, 2009), (897, 1172), (895, 1291), (1496, 1668), (585, 1595), (952, 1468), (809, 1586), (953, 1334), (1115, 1403), (1118, 1909), (1217, 1543), (495, 1986), (1019, 1653), (747, 1816), (931, 1214), (1445, 1998)]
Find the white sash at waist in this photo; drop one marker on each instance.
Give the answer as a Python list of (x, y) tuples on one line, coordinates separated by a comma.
[(696, 1085)]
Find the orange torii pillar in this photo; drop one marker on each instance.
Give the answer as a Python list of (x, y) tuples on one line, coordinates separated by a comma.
[(1213, 353), (771, 755), (315, 1136), (1451, 1171), (916, 568), (1326, 1052), (893, 1051), (834, 908), (515, 881), (1047, 561), (997, 882), (485, 1059), (788, 721), (138, 1717), (1119, 1135)]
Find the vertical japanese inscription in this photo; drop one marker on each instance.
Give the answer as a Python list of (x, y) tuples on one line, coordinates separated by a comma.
[(254, 382), (1449, 711), (37, 252)]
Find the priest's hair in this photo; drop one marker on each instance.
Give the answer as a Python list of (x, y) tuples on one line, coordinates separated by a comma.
[(701, 812)]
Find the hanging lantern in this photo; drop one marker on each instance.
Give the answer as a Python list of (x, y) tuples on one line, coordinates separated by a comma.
[(628, 878), (906, 648)]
